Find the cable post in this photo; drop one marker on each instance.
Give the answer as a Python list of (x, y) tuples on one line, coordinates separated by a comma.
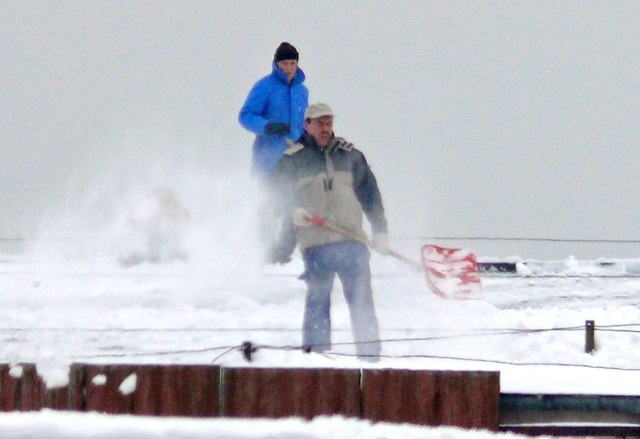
[(247, 350), (590, 336)]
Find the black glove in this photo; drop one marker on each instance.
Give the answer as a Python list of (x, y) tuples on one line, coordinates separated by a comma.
[(277, 128)]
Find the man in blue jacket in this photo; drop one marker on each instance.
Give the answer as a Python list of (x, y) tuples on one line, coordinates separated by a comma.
[(274, 110)]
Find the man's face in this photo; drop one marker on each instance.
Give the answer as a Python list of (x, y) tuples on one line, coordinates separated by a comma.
[(320, 129), (288, 67)]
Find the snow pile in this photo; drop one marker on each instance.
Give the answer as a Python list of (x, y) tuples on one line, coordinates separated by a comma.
[(56, 425), (574, 267)]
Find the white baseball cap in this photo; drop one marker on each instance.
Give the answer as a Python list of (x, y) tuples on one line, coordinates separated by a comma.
[(314, 111)]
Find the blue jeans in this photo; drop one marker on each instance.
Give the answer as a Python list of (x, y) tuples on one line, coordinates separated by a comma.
[(350, 261)]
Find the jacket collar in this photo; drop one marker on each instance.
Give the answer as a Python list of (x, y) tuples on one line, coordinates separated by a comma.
[(279, 74), (308, 140)]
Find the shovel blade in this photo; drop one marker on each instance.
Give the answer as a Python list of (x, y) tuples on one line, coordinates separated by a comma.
[(451, 273)]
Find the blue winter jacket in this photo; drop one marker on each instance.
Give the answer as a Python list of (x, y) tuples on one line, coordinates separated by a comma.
[(272, 99)]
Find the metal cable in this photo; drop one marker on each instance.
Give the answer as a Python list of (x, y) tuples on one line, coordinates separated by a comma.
[(490, 238), (505, 331), (442, 238)]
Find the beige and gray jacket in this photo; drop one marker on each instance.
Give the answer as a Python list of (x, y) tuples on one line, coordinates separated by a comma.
[(334, 183)]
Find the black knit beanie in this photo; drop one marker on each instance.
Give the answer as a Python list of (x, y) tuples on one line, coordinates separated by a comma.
[(285, 51)]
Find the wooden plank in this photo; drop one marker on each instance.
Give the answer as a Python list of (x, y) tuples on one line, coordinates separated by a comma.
[(466, 399), (22, 389), (29, 389), (76, 391), (277, 393), (175, 390), (202, 398), (8, 390)]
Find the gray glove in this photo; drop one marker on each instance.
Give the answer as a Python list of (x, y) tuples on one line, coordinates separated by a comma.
[(300, 217), (380, 243)]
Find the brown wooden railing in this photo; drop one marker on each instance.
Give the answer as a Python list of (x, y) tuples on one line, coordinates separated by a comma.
[(467, 399)]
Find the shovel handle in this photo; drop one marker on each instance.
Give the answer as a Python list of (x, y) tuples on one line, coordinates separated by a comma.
[(417, 265), (322, 222)]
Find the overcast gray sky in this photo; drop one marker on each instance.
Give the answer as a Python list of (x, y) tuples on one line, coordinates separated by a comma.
[(493, 118)]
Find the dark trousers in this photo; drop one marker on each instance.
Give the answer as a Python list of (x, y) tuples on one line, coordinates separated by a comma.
[(350, 261)]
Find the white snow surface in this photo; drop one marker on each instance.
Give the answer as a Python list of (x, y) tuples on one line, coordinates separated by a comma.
[(531, 328), (120, 140), (58, 425), (82, 298)]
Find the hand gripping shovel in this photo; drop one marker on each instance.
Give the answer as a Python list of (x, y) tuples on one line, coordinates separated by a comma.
[(450, 273)]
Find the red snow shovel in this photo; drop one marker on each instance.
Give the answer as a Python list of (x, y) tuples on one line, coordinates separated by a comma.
[(450, 273)]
